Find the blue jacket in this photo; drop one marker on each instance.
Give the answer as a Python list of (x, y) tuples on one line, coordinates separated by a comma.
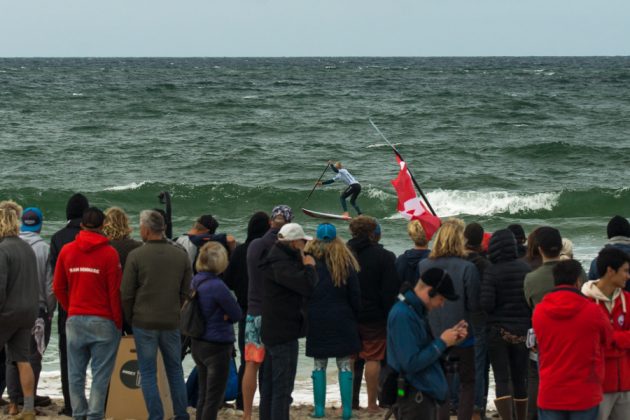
[(412, 350), (407, 265), (216, 301)]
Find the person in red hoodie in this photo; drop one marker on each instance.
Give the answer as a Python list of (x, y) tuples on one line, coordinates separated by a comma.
[(87, 285), (572, 335), (608, 292)]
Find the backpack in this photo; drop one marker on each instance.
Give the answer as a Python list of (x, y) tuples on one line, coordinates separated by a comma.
[(192, 322)]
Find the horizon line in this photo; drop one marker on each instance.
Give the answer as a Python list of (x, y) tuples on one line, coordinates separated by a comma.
[(315, 56)]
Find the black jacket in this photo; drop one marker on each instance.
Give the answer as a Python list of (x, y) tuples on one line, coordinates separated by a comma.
[(332, 323), (378, 280), (287, 281), (407, 265), (502, 294), (63, 236), (235, 275)]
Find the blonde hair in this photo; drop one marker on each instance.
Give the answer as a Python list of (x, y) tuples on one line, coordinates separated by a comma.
[(10, 213), (116, 225), (449, 240), (339, 259), (212, 258), (566, 253), (416, 233)]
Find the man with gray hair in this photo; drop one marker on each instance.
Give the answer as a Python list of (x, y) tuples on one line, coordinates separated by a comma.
[(155, 283), (18, 300)]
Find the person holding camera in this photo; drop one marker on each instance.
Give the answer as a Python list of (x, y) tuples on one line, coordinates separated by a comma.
[(413, 351)]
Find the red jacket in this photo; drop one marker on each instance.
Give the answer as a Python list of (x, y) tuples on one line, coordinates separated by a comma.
[(87, 278), (618, 354), (572, 335)]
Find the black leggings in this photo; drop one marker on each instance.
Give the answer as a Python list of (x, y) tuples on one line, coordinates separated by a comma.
[(353, 192), (213, 367), (509, 364)]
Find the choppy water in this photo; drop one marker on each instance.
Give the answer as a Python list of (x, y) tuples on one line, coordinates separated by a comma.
[(496, 140)]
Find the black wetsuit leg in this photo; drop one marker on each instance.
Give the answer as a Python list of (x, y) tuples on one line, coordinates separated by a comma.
[(353, 192)]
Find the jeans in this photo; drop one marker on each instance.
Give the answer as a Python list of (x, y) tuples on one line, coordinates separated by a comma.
[(509, 364), (278, 381), (213, 368), (590, 414), (95, 338), (169, 343), (615, 406)]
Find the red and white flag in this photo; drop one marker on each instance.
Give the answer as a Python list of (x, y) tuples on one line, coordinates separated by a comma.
[(409, 204)]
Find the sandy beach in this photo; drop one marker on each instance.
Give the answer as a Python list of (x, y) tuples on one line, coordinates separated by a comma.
[(298, 412)]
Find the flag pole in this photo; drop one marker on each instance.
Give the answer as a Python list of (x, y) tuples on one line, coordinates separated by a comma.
[(415, 183)]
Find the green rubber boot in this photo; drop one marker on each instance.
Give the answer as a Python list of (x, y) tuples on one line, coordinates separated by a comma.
[(345, 388), (319, 392)]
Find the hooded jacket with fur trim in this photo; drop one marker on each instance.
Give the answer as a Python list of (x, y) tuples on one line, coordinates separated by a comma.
[(617, 363)]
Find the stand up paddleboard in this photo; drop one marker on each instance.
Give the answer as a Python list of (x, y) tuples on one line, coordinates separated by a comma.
[(320, 215)]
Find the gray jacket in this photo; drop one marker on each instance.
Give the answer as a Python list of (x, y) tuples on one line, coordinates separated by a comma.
[(466, 282), (47, 299), (18, 284)]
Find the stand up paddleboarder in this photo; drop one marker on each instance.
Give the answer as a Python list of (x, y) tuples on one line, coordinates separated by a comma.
[(353, 190)]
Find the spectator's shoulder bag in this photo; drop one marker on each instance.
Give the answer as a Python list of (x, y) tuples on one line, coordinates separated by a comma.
[(191, 321)]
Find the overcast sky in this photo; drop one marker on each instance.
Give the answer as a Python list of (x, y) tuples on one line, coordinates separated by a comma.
[(210, 28)]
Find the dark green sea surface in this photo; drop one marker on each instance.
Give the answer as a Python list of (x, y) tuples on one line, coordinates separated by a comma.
[(497, 140)]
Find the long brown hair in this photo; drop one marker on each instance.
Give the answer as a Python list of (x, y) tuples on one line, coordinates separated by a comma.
[(339, 259)]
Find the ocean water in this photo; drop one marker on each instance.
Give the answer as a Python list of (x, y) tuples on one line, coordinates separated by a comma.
[(536, 141)]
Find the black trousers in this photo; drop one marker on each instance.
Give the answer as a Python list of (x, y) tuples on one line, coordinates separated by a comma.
[(416, 406), (62, 316), (465, 367), (241, 368), (213, 368), (509, 364)]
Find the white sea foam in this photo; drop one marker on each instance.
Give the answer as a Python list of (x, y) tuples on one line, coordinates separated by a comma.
[(377, 194), (485, 203), (377, 145), (132, 186)]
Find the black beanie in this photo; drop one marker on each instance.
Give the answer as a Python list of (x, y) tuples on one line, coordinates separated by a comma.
[(473, 234), (618, 226), (257, 226), (77, 204)]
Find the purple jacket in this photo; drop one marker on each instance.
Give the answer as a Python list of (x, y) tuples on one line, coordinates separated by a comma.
[(216, 301)]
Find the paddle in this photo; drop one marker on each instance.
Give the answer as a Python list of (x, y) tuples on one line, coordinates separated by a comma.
[(315, 186)]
